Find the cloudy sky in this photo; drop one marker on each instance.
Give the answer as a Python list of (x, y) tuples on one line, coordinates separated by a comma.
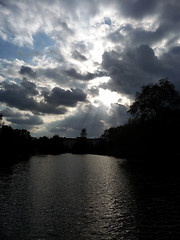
[(70, 64)]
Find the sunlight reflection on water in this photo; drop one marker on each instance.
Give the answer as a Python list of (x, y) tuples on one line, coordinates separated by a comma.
[(77, 197)]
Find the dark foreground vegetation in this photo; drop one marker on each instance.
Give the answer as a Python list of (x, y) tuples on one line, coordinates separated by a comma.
[(152, 132), (154, 129)]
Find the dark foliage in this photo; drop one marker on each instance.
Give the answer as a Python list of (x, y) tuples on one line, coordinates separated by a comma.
[(154, 101), (45, 145), (154, 128), (82, 145), (16, 144), (83, 133)]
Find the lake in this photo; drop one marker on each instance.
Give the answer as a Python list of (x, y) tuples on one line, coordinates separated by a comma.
[(87, 197)]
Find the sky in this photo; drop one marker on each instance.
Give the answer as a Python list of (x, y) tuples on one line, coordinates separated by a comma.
[(72, 64)]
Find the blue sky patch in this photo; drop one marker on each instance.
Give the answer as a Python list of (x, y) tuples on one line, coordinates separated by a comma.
[(107, 21), (41, 41), (11, 51)]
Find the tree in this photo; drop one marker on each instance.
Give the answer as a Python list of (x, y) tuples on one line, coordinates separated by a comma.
[(154, 100), (83, 133)]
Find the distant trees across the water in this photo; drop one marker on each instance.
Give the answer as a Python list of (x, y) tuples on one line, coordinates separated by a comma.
[(83, 133), (15, 144), (152, 130)]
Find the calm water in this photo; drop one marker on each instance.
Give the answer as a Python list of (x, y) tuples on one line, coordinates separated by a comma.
[(87, 197)]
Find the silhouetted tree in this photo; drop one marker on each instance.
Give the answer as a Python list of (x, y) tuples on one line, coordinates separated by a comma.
[(154, 128), (15, 145), (83, 133), (154, 100), (81, 145)]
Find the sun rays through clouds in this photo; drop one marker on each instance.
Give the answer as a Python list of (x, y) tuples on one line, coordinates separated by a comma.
[(68, 64)]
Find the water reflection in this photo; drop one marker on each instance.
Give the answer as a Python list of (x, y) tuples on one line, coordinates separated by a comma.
[(157, 196), (86, 197)]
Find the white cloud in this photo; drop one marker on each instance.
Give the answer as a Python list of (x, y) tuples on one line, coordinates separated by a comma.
[(105, 48), (10, 69)]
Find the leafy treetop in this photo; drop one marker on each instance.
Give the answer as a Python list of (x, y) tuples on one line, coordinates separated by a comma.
[(83, 133), (154, 99)]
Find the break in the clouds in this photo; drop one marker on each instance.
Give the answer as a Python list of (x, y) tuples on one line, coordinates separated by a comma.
[(69, 64)]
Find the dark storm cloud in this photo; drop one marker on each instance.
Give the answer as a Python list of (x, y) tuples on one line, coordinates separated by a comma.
[(138, 65), (19, 118), (9, 113), (52, 73), (137, 36), (137, 8), (170, 12), (77, 55), (165, 22), (3, 2), (69, 76), (72, 72), (29, 87), (132, 68), (28, 120), (124, 76), (26, 88), (63, 97), (145, 58), (22, 97), (170, 61), (27, 71)]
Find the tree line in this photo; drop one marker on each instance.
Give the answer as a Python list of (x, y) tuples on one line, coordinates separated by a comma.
[(154, 127), (152, 131)]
